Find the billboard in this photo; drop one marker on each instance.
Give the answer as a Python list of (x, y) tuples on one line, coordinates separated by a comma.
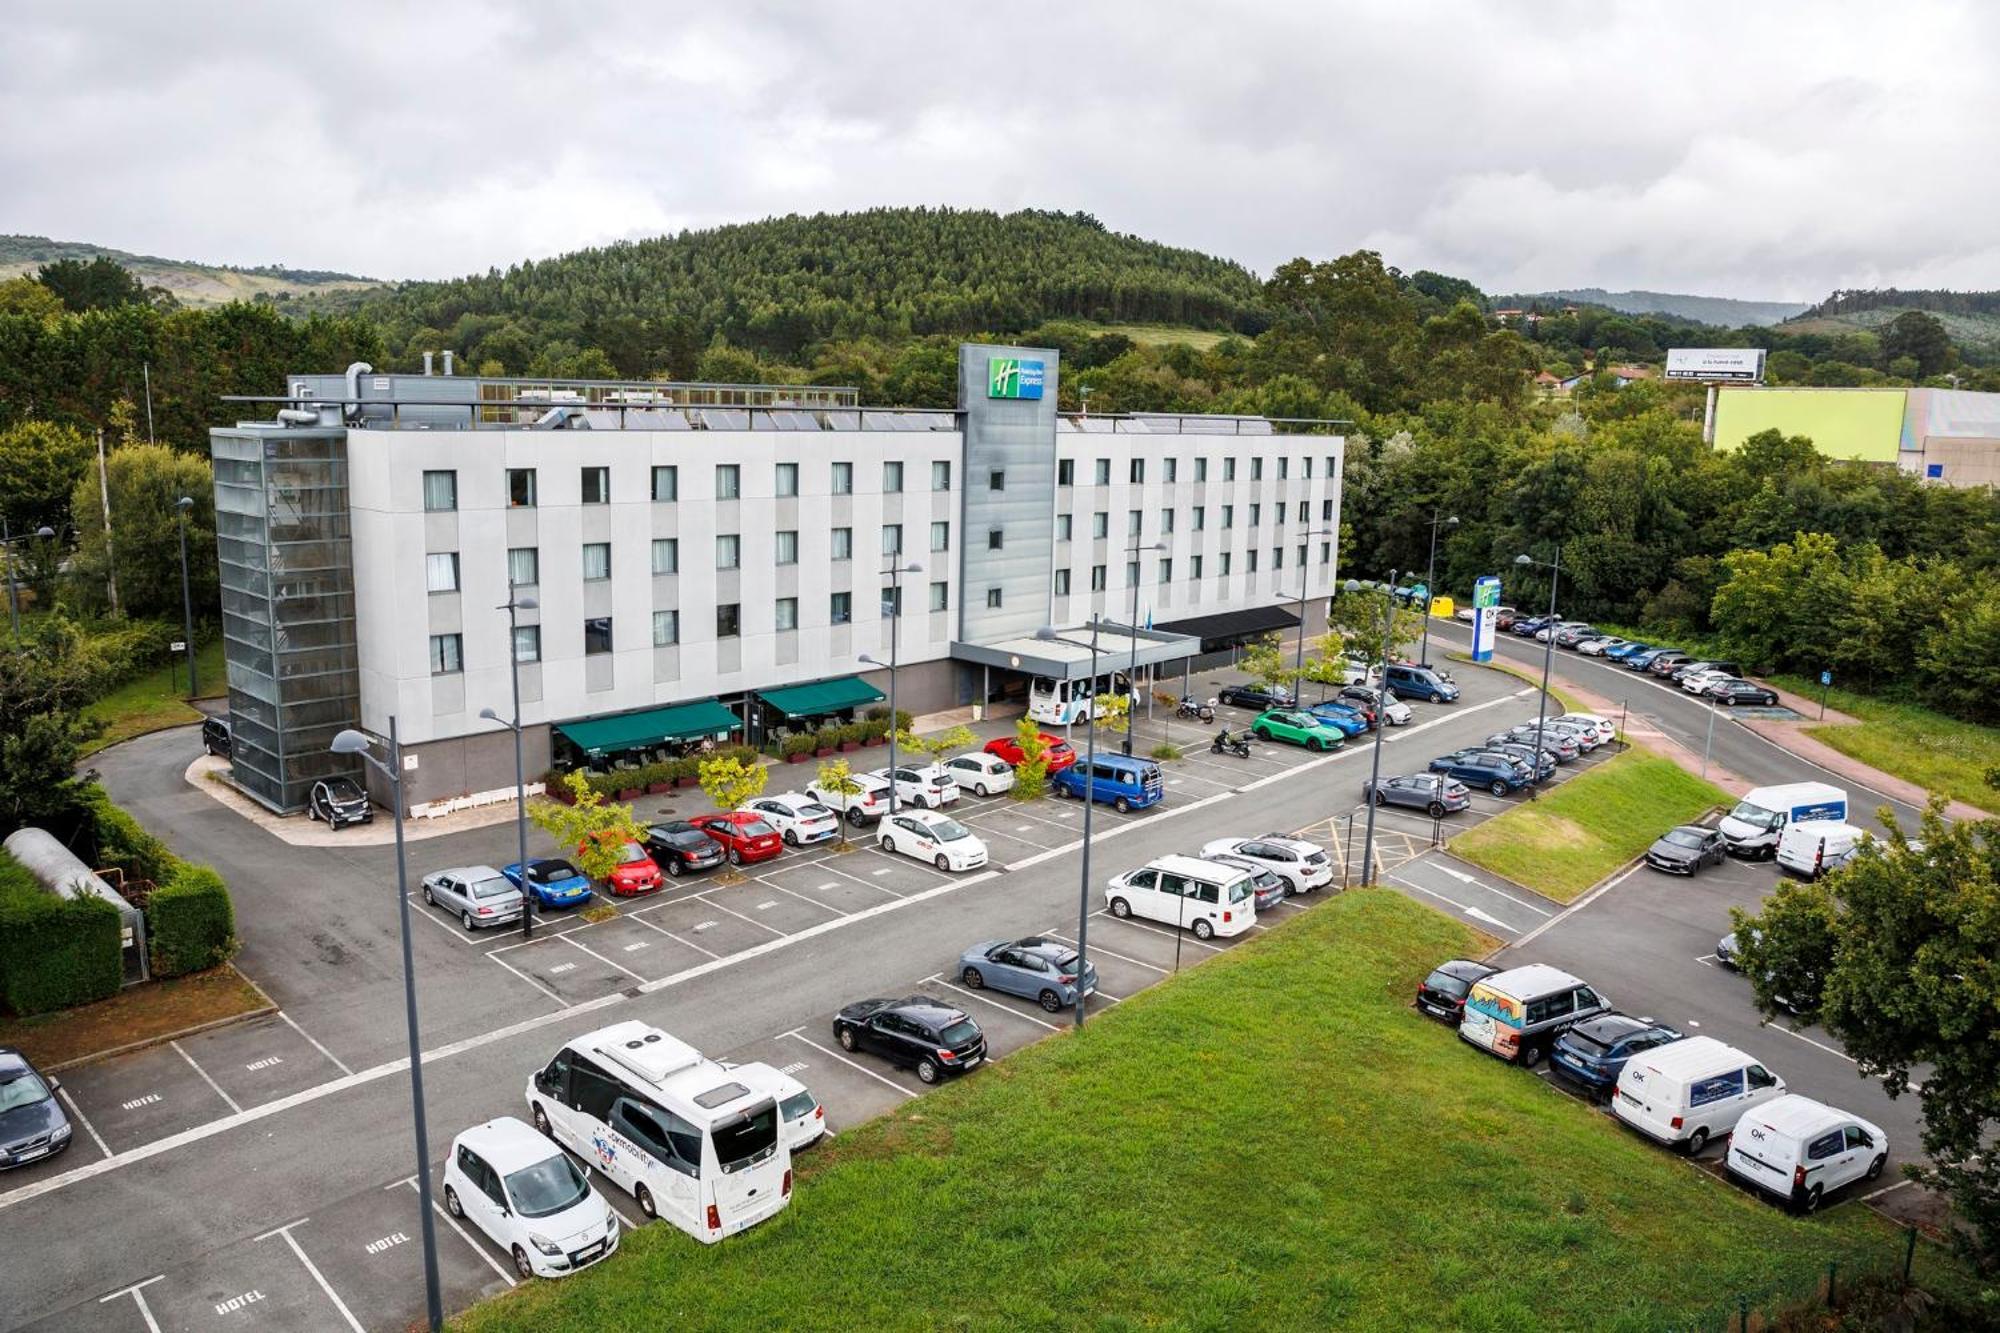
[(1485, 611), (1744, 365), (1861, 424), (1013, 377)]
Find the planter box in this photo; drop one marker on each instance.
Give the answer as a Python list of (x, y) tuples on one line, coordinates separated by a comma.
[(849, 747), (825, 754), (563, 794), (630, 793), (655, 788), (872, 742), (797, 758), (687, 782)]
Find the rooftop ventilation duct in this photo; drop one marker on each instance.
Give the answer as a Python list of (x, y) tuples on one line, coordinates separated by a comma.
[(355, 371), (561, 418), (447, 361), (299, 416), (427, 364)]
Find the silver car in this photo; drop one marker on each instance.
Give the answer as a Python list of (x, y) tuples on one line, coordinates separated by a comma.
[(478, 896)]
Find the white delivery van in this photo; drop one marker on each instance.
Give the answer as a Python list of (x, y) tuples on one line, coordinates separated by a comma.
[(1688, 1091), (1798, 1150), (1753, 827), (1814, 846), (1201, 896)]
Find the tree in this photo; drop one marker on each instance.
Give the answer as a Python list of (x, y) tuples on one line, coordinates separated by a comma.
[(146, 480), (938, 746), (101, 284), (1265, 662), (1923, 338), (44, 685), (1895, 953), (1031, 775), (41, 462), (1326, 664), (729, 782), (837, 778), (1357, 618), (596, 828), (25, 296)]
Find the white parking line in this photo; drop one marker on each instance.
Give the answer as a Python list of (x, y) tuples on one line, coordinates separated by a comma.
[(1578, 905), (636, 976), (88, 1128), (814, 902), (145, 1313), (315, 1042), (638, 918), (317, 1276), (1472, 912), (464, 1235), (995, 1003), (1886, 1189), (738, 915), (1188, 936), (525, 977), (798, 1036), (1481, 884), (230, 1101), (1794, 1032), (1123, 958)]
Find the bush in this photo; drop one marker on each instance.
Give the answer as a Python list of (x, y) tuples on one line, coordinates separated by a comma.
[(827, 738), (1167, 750), (54, 952), (853, 733), (880, 713), (797, 745), (122, 843), (192, 923)]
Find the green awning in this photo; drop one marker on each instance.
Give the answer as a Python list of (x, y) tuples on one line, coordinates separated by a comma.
[(824, 696), (629, 730)]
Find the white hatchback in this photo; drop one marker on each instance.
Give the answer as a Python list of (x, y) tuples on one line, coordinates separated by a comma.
[(801, 820), (529, 1198), (981, 773), (1301, 865), (929, 836)]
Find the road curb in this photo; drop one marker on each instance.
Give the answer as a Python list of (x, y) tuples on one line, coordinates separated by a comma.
[(268, 1008)]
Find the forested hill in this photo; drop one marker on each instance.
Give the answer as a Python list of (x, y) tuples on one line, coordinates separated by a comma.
[(783, 285), (188, 282)]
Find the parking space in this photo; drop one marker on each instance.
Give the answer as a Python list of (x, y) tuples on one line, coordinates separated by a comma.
[(253, 1284), (259, 1061), (369, 1248), (564, 969), (854, 1088), (145, 1096)]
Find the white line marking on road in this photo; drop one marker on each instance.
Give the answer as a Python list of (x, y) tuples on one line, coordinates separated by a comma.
[(1578, 905), (1480, 884), (464, 1235), (561, 968), (830, 884), (810, 902), (546, 990), (637, 945), (317, 1276), (740, 917), (1187, 936), (883, 871), (315, 1042), (227, 1099), (675, 938), (995, 1003), (797, 1036), (1794, 1032), (636, 976), (1123, 958), (768, 905), (1886, 1189), (145, 1313), (88, 1128)]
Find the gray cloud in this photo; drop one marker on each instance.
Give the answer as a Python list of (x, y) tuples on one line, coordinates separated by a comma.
[(1779, 150)]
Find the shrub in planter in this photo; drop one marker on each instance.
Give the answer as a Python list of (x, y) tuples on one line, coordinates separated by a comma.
[(630, 793), (797, 749), (191, 921)]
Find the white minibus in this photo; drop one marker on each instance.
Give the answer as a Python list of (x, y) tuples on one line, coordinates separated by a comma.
[(1059, 703), (693, 1143)]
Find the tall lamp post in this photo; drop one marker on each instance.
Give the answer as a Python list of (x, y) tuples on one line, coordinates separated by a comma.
[(1132, 554), (513, 606), (1525, 561), (894, 609), (354, 743), (1375, 778), (1048, 634), (1430, 578), (13, 594), (1305, 566), (181, 508)]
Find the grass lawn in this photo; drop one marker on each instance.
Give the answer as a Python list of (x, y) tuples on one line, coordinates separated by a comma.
[(138, 1013), (157, 700), (1150, 335), (1274, 1140), (1584, 829), (1938, 753)]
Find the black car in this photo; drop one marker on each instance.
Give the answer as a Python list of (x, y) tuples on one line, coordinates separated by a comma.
[(32, 1123), (678, 847), (1729, 693), (1442, 993), (921, 1033), (1259, 697), (1594, 1052), (339, 801), (215, 736), (1686, 849)]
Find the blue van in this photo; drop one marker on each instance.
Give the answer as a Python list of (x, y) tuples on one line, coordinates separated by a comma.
[(1410, 681), (1126, 782)]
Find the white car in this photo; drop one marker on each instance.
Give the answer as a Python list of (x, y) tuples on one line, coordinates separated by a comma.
[(930, 788), (1301, 865), (984, 774), (800, 820), (799, 1113), (929, 836), (1599, 646), (1607, 730), (1701, 680), (529, 1198), (870, 803)]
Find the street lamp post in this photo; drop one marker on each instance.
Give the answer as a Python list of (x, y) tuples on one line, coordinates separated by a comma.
[(1430, 578), (1525, 561), (13, 595), (354, 743), (181, 507), (1375, 778), (1132, 553), (1299, 658), (514, 605), (895, 610), (1048, 634)]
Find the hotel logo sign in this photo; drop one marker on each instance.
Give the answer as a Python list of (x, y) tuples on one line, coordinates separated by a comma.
[(1013, 377)]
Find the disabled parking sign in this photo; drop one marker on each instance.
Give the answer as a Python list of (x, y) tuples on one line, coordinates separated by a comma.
[(1485, 612)]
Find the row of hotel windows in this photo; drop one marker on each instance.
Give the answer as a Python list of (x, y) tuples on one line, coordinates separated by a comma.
[(441, 486)]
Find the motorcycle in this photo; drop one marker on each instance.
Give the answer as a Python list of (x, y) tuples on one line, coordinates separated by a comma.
[(1190, 707), (1225, 743)]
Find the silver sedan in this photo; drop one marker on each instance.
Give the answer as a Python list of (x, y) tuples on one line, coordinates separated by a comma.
[(478, 896), (1433, 793)]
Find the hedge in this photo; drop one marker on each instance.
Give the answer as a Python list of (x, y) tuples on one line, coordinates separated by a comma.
[(123, 843), (647, 775), (54, 952), (191, 922)]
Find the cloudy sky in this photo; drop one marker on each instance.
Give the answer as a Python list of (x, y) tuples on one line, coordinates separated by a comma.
[(1767, 150)]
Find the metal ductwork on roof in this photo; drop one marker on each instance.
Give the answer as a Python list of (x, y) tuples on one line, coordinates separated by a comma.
[(355, 371)]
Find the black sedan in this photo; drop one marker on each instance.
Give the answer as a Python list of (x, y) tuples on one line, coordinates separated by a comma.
[(1260, 697), (1432, 793), (921, 1033), (1442, 993), (1729, 693), (32, 1123), (1686, 849), (678, 847)]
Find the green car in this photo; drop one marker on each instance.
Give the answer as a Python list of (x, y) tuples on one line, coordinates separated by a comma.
[(1299, 728)]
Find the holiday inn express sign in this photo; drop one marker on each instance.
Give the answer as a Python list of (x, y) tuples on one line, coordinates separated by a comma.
[(1013, 377)]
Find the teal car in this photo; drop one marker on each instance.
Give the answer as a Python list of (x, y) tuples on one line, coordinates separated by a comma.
[(1282, 724)]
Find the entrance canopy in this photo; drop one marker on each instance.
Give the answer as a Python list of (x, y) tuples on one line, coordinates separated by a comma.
[(629, 731), (821, 697), (1235, 624), (1068, 658)]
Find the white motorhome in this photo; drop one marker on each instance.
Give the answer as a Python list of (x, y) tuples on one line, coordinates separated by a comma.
[(1688, 1091), (694, 1142), (1754, 826), (1815, 846), (1798, 1150)]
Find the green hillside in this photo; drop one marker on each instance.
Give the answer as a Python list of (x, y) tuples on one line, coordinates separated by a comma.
[(1724, 311), (1970, 329), (191, 283)]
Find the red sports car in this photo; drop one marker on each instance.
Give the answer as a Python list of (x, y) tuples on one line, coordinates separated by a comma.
[(1056, 751), (635, 872), (744, 837)]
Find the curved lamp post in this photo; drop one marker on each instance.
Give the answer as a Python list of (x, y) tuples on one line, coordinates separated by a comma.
[(1132, 553), (1048, 634), (1430, 578), (1525, 561), (894, 610), (1375, 780)]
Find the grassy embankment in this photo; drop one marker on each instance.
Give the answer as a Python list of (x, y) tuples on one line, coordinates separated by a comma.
[(1938, 753), (1273, 1140), (158, 699), (1585, 828)]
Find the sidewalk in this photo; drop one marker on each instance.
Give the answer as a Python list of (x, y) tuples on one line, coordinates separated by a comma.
[(1792, 736)]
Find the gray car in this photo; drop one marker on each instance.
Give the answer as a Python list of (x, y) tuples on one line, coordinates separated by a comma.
[(1432, 793), (1267, 887), (1525, 752), (479, 896), (1563, 740), (1036, 969)]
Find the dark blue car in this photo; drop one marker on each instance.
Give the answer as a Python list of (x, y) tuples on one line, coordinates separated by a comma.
[(1640, 661), (1594, 1052), (553, 881), (1482, 768), (1527, 626), (1348, 719), (32, 1123), (1625, 650)]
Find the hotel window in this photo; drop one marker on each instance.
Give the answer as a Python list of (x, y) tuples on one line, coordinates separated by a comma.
[(524, 566), (521, 487), (666, 483), (1281, 511), (1173, 467), (892, 478), (1256, 515), (1309, 469), (728, 550), (1062, 527), (993, 598), (1201, 469), (995, 540), (941, 475), (1194, 567), (441, 571), (1227, 560), (1229, 468), (892, 539), (1332, 465), (1200, 517), (1135, 523), (728, 481), (1277, 557), (1257, 468), (940, 536), (1100, 524), (729, 620), (996, 480), (440, 491), (1253, 560), (1284, 468), (1301, 553), (446, 654), (1062, 583), (527, 643), (597, 485), (1103, 472), (1166, 520), (1166, 570), (843, 544), (1131, 573), (1229, 516), (1066, 472), (666, 628), (1326, 511), (840, 608), (940, 597), (1325, 552), (1097, 578), (788, 547), (843, 478), (1137, 474), (788, 479), (787, 613), (596, 561), (892, 601), (666, 555)]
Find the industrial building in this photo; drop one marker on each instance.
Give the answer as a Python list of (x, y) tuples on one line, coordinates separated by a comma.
[(1950, 436), (713, 560)]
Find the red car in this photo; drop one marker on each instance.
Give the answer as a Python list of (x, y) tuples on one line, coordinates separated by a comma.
[(1055, 750), (635, 872), (745, 837)]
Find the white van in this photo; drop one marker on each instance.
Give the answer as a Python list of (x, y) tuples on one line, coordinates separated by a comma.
[(1798, 1150), (799, 1112), (1814, 846), (1688, 1091), (1752, 828), (693, 1142), (1201, 896)]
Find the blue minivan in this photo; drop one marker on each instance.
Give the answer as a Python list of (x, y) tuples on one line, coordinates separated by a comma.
[(1410, 681), (1122, 781)]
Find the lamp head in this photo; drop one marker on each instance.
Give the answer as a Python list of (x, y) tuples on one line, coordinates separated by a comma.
[(491, 716), (1524, 560), (45, 531), (1047, 634), (350, 741), (1451, 522), (184, 504), (1352, 585), (526, 604), (866, 660)]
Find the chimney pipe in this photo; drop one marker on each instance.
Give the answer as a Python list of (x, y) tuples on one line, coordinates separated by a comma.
[(427, 363), (447, 362)]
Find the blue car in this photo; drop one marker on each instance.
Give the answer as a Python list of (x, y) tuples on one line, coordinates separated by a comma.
[(1349, 720), (554, 882), (1594, 1052), (1490, 769), (1527, 627), (1641, 660), (1625, 650)]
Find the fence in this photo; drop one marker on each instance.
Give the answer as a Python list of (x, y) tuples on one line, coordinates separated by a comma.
[(1881, 1272)]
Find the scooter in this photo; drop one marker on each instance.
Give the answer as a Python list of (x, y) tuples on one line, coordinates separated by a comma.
[(1191, 708), (1225, 743)]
